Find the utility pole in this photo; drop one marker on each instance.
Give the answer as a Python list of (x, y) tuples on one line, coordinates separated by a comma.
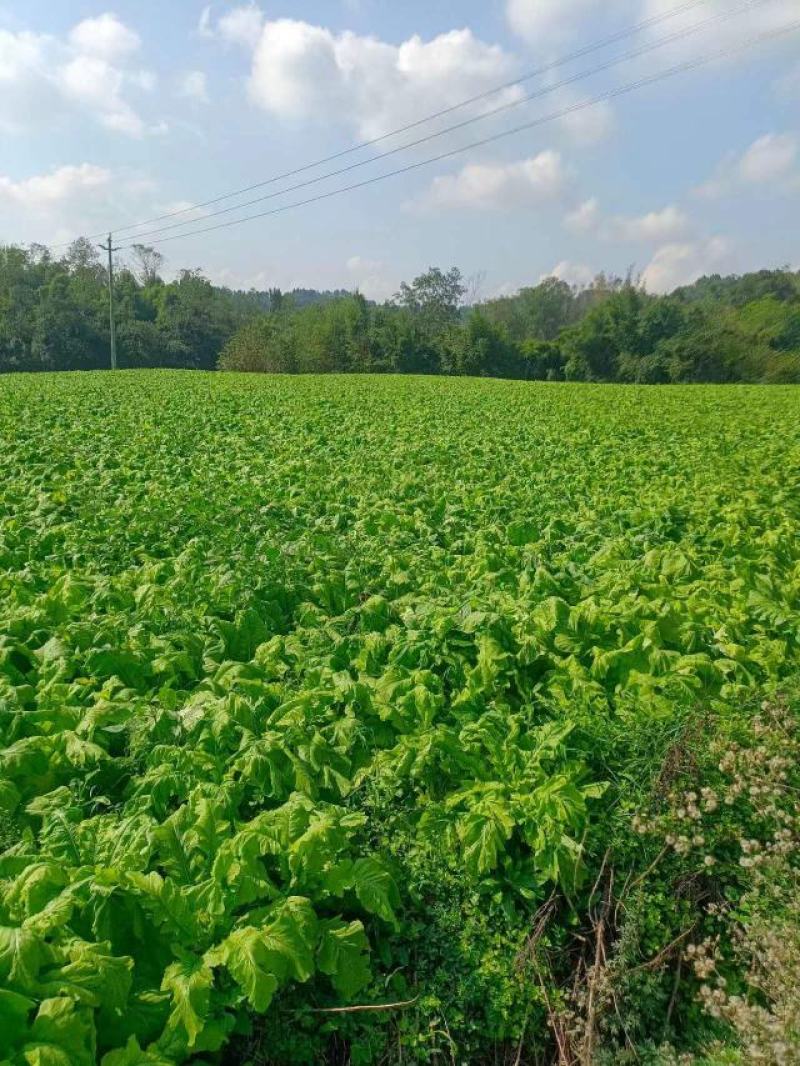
[(111, 320)]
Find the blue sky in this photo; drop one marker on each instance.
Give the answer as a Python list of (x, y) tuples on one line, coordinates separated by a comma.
[(112, 112)]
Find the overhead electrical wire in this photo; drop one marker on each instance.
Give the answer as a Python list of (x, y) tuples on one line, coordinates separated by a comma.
[(610, 95), (546, 91), (596, 46)]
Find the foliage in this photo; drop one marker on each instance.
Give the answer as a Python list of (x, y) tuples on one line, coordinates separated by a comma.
[(315, 691), (610, 331), (54, 311), (726, 819), (54, 316)]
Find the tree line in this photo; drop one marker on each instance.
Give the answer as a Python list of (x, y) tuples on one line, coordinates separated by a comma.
[(54, 316), (717, 330), (54, 311)]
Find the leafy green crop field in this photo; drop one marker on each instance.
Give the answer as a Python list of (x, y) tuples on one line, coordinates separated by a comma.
[(313, 690)]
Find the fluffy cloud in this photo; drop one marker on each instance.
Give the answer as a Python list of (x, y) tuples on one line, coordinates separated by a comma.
[(578, 274), (585, 125), (680, 264), (96, 85), (495, 186), (43, 191), (662, 225), (585, 218), (91, 70), (242, 25), (771, 160), (727, 33), (300, 71), (85, 195), (104, 37), (368, 276), (548, 24)]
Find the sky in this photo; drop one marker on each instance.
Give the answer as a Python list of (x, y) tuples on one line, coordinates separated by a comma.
[(116, 111)]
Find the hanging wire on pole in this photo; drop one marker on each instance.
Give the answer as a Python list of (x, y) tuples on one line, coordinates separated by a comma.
[(109, 247)]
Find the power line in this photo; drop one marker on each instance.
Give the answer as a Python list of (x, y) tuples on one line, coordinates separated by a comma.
[(546, 91), (619, 35), (610, 95)]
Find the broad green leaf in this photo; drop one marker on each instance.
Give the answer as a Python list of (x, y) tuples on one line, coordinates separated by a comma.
[(484, 833), (376, 889), (343, 955), (15, 1011), (133, 1055), (291, 939), (61, 1033), (250, 962), (189, 984), (21, 956)]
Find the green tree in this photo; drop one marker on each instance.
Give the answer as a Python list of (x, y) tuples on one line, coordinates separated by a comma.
[(434, 298)]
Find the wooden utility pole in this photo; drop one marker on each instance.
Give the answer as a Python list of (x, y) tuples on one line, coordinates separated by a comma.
[(111, 320)]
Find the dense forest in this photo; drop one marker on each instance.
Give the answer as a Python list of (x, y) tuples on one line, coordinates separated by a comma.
[(54, 316)]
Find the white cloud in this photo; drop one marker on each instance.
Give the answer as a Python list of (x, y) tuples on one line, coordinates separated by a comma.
[(772, 160), (97, 86), (192, 86), (497, 186), (548, 25), (503, 289), (680, 264), (57, 205), (368, 276), (357, 264), (769, 158), (43, 191), (42, 76), (300, 71), (732, 32), (105, 37), (205, 25), (578, 274), (545, 23), (662, 225), (28, 92), (585, 217), (241, 26), (585, 125)]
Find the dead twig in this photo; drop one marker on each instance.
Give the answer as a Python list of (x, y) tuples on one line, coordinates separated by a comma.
[(541, 920), (649, 869), (659, 958), (518, 1058), (562, 1041), (400, 1005), (599, 964)]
